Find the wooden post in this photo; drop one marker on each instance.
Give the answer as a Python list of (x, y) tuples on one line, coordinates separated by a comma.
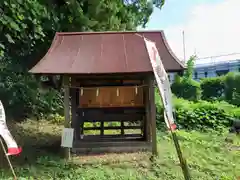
[(66, 110), (153, 116), (74, 112), (147, 118), (122, 128), (74, 103), (81, 124), (102, 128)]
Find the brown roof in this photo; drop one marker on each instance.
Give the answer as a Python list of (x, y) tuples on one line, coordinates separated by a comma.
[(104, 52)]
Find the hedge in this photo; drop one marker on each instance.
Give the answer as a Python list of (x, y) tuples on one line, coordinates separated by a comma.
[(232, 88), (186, 88), (223, 87), (200, 115), (212, 88)]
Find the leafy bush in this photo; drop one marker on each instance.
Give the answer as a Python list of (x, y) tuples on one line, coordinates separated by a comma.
[(229, 86), (212, 88), (22, 97), (200, 115), (188, 74), (56, 119), (187, 89), (232, 88), (224, 87)]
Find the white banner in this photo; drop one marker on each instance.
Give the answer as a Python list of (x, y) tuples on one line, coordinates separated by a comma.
[(163, 83), (13, 148)]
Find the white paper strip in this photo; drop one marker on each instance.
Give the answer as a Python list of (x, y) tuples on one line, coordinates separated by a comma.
[(67, 137)]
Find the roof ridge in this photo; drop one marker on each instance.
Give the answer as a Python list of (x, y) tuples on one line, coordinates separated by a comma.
[(106, 32)]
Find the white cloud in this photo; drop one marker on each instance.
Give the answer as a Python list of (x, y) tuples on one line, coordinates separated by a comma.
[(212, 29)]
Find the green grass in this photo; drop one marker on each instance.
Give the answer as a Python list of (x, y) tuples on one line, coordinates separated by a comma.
[(208, 154)]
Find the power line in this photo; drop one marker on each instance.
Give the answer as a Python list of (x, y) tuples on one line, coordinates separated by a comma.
[(218, 56)]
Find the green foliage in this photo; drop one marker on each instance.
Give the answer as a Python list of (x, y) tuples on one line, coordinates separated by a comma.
[(27, 28), (56, 119), (201, 115), (229, 86), (212, 88), (188, 74), (232, 88), (21, 27), (225, 87), (187, 89), (25, 24), (208, 155), (22, 97)]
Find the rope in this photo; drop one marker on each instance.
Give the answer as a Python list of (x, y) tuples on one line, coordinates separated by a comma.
[(9, 162), (77, 87)]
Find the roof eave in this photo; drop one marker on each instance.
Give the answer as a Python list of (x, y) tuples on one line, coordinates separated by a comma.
[(170, 51)]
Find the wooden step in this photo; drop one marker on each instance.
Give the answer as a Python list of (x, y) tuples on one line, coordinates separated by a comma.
[(111, 147)]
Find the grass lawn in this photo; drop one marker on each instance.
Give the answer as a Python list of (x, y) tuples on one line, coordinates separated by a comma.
[(209, 157)]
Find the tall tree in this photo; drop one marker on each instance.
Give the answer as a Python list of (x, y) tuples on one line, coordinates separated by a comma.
[(28, 26), (188, 74)]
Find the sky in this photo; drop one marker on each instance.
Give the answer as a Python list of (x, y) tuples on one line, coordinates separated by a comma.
[(211, 27)]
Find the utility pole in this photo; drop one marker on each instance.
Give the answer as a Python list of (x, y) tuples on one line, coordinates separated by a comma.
[(184, 51)]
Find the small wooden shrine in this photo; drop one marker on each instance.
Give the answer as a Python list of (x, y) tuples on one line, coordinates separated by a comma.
[(109, 87)]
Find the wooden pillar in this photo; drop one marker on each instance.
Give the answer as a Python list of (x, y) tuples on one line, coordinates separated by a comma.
[(74, 112), (66, 110), (122, 128), (152, 108), (74, 107), (81, 124), (102, 128), (147, 117)]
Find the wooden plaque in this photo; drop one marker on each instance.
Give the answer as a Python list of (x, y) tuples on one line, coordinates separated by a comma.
[(124, 96)]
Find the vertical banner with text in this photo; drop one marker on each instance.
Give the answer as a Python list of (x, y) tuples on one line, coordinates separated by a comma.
[(13, 148), (166, 95), (162, 82)]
